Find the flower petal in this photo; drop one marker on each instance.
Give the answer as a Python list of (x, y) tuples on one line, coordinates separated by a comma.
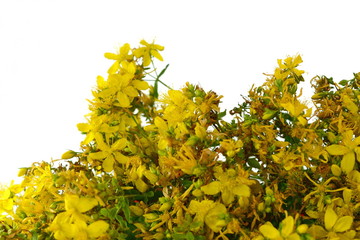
[(242, 190), (269, 231), (121, 158), (357, 151), (211, 188), (330, 218), (97, 228), (140, 85), (343, 224), (287, 226), (85, 204), (119, 144), (348, 162), (130, 91), (124, 100), (336, 149), (317, 232), (108, 163), (83, 127), (215, 218)]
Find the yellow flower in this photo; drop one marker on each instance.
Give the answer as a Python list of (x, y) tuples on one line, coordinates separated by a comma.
[(288, 66), (231, 146), (200, 209), (230, 184), (349, 150), (216, 218), (287, 230), (149, 50), (109, 153), (349, 104), (119, 57), (120, 88), (97, 124), (179, 107), (320, 191), (64, 228), (336, 224), (123, 86), (296, 108), (335, 227), (187, 161), (71, 224), (6, 203), (76, 205), (289, 159), (214, 215)]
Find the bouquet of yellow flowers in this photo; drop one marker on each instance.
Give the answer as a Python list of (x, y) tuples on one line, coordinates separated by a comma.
[(176, 166)]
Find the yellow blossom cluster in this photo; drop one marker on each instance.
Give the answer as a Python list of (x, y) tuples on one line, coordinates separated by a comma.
[(170, 166)]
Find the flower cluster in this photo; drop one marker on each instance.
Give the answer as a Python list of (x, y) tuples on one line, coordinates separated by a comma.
[(170, 166)]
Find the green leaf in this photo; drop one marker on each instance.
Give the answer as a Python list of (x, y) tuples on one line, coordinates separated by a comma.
[(180, 236), (278, 84), (343, 82), (124, 204), (163, 71), (121, 221), (221, 114), (253, 163), (155, 94), (268, 114), (104, 212), (149, 194), (34, 235), (112, 213)]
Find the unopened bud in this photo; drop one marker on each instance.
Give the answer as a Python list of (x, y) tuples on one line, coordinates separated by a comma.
[(192, 141), (22, 172), (138, 211), (166, 206), (336, 170), (302, 228), (151, 216), (69, 154), (261, 207)]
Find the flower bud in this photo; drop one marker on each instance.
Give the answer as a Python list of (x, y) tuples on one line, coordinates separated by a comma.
[(69, 154), (141, 185), (336, 170), (261, 207), (331, 136), (197, 193), (269, 191), (138, 211), (152, 177), (165, 206), (302, 228), (192, 140), (150, 216), (22, 172)]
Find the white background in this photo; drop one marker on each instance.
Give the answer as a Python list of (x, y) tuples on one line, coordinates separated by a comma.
[(51, 52)]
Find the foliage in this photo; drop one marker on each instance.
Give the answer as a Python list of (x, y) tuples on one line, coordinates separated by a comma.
[(172, 167)]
